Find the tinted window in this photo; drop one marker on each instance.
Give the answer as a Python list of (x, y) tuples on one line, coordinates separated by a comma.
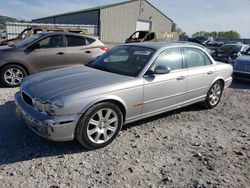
[(76, 41), (170, 58), (54, 41), (89, 40), (125, 60), (194, 57)]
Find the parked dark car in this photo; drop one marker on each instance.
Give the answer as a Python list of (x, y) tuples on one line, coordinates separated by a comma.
[(229, 52), (242, 67), (46, 51)]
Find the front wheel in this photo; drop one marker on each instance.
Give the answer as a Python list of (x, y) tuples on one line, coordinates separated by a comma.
[(99, 126), (12, 75), (214, 95)]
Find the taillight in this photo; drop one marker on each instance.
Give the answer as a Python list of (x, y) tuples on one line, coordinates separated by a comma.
[(105, 49)]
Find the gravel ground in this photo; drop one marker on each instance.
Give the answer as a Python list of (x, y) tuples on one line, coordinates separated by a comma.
[(190, 147)]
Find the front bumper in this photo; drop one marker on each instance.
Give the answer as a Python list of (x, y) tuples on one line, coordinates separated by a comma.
[(241, 75), (56, 128), (228, 82)]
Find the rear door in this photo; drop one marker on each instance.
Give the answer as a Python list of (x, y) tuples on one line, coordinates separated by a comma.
[(201, 73), (78, 50), (49, 54)]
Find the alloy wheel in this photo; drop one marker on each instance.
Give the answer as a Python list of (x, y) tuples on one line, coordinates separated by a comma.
[(102, 126), (13, 76), (215, 94)]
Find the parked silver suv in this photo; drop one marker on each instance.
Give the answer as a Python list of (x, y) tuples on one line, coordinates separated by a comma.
[(46, 51)]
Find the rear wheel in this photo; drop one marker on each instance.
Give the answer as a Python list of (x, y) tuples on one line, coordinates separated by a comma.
[(214, 95), (99, 126), (12, 75)]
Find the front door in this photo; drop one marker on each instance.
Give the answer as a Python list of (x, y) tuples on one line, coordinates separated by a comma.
[(48, 54), (163, 92)]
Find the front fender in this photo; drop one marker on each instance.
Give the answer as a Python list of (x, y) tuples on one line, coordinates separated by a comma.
[(98, 99)]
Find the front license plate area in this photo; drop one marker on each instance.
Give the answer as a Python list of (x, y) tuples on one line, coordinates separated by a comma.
[(18, 112)]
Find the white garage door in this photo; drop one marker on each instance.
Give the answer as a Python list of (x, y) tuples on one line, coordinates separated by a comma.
[(143, 26)]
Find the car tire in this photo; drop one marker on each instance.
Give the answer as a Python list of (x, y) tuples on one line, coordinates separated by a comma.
[(99, 126), (214, 95), (12, 75)]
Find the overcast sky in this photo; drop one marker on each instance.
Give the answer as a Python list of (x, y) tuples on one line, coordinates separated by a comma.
[(190, 15)]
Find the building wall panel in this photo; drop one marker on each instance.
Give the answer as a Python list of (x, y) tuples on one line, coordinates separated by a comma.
[(118, 22)]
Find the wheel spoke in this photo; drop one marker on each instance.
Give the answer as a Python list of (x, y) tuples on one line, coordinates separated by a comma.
[(109, 112), (7, 77), (97, 137), (94, 122), (13, 81), (105, 136), (112, 129), (114, 119), (92, 131), (100, 116)]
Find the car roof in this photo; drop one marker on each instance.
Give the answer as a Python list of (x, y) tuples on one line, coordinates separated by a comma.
[(65, 33), (159, 45)]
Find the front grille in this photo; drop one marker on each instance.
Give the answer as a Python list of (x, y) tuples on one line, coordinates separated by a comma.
[(241, 75), (27, 99), (242, 66)]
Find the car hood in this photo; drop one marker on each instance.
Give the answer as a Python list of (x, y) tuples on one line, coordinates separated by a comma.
[(244, 58), (54, 84)]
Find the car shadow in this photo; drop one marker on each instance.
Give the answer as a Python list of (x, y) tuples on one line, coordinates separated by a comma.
[(18, 143), (239, 84)]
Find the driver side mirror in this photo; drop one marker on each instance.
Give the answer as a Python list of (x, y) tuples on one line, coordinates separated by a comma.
[(161, 69)]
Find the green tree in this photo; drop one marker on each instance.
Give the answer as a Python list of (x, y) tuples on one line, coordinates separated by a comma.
[(182, 34), (229, 35)]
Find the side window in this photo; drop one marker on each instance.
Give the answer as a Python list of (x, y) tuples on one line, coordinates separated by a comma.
[(195, 57), (89, 40), (74, 41), (54, 41), (170, 58), (207, 59)]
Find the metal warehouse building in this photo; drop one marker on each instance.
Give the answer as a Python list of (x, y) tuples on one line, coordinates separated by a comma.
[(116, 22)]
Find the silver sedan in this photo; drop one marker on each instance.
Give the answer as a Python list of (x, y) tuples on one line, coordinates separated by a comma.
[(128, 83)]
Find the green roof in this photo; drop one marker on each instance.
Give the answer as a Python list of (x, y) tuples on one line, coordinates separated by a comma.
[(102, 7)]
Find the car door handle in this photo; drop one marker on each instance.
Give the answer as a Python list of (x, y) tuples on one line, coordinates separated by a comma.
[(88, 52), (181, 78), (60, 53), (210, 72)]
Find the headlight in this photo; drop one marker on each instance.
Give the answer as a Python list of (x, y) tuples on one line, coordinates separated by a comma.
[(49, 108), (39, 105)]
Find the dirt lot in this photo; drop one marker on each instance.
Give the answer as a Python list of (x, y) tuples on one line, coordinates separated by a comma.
[(191, 147)]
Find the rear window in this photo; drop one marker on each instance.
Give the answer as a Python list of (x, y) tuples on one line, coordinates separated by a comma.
[(73, 41), (89, 40)]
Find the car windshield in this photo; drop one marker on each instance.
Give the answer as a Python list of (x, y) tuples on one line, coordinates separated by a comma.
[(230, 48), (139, 34), (29, 40), (124, 60)]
